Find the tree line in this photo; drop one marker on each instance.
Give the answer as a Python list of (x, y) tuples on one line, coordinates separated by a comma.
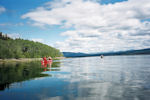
[(19, 48)]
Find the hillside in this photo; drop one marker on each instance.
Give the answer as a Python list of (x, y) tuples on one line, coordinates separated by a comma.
[(129, 52), (72, 54), (19, 48)]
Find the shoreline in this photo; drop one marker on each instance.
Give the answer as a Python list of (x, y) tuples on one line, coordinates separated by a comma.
[(26, 59), (20, 60)]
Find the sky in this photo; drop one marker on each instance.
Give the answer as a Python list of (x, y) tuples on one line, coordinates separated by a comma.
[(87, 26)]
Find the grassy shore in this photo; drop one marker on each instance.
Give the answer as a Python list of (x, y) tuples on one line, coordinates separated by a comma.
[(20, 60), (26, 59)]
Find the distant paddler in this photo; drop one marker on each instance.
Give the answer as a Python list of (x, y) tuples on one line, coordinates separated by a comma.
[(102, 56)]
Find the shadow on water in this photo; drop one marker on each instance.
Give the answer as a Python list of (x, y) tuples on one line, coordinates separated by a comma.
[(18, 72)]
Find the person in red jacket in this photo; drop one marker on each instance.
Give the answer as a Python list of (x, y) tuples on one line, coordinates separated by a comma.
[(44, 62)]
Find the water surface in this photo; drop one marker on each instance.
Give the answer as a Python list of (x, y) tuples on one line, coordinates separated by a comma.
[(88, 78)]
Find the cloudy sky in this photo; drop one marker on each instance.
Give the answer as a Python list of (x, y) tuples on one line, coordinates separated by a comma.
[(79, 25)]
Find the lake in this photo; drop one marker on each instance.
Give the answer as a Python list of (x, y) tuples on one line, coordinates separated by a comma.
[(86, 78)]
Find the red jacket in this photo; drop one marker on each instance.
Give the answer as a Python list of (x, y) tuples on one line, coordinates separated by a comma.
[(45, 60)]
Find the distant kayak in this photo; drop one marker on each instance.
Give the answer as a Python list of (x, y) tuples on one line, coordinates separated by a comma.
[(102, 56)]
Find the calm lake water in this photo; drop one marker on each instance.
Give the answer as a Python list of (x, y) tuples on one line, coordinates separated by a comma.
[(88, 78)]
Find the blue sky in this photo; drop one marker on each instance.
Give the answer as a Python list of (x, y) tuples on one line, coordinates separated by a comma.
[(79, 25), (13, 23)]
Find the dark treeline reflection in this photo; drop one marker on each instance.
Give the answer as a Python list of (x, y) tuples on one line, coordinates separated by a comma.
[(17, 72)]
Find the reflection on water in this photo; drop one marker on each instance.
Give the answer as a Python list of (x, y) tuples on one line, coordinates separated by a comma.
[(17, 72), (89, 78)]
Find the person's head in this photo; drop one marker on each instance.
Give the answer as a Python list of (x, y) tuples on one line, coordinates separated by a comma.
[(49, 58), (44, 58)]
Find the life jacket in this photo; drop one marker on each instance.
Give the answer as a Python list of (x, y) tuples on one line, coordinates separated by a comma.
[(45, 60), (49, 61), (42, 62)]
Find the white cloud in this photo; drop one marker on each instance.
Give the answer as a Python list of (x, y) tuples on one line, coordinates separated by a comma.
[(5, 24), (14, 35), (10, 24), (37, 40), (2, 9), (97, 27)]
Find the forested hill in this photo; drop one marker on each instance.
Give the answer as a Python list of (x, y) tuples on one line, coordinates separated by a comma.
[(19, 48)]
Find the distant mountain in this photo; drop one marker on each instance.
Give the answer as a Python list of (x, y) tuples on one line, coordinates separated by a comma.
[(128, 52), (72, 54)]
